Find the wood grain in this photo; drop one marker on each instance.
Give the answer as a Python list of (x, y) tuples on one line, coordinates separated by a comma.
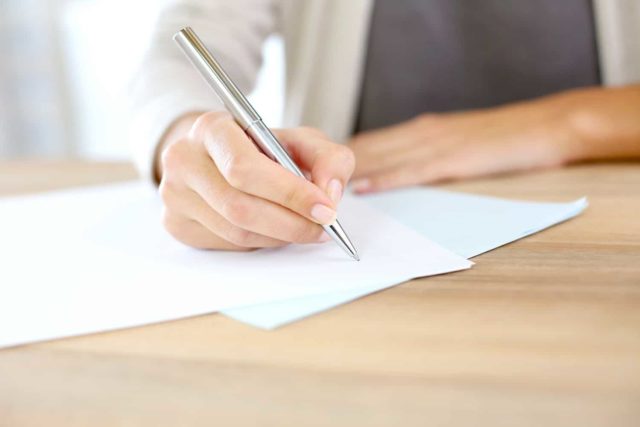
[(544, 331)]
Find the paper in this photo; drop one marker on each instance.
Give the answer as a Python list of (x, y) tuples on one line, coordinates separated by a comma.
[(465, 224), (469, 224), (97, 259)]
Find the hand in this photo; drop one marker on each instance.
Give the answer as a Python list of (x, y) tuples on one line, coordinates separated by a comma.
[(439, 147), (220, 192)]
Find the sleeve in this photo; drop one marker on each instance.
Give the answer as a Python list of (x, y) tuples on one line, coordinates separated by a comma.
[(166, 86)]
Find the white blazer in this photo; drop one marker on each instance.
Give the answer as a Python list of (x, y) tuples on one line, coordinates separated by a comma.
[(325, 44)]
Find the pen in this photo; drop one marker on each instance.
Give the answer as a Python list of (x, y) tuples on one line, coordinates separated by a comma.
[(247, 118)]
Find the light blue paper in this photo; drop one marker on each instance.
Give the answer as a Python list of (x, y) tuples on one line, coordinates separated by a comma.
[(465, 224)]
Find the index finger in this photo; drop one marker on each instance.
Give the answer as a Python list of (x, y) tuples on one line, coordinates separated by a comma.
[(331, 165), (248, 170)]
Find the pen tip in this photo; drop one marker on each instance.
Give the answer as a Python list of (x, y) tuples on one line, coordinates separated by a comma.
[(356, 256)]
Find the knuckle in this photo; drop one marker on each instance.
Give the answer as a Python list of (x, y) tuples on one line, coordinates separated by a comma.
[(239, 237), (347, 156), (171, 223), (235, 170), (306, 233), (291, 197), (179, 229), (211, 121), (173, 156), (237, 211), (164, 191)]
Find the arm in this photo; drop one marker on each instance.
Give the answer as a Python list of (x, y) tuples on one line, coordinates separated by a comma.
[(575, 126), (166, 87), (606, 124), (218, 190)]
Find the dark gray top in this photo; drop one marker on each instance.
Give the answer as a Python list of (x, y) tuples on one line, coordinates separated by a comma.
[(445, 55)]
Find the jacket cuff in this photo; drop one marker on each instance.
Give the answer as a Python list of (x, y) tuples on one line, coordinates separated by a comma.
[(151, 121)]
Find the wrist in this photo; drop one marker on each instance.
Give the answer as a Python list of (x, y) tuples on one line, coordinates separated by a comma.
[(583, 124), (574, 126), (604, 122)]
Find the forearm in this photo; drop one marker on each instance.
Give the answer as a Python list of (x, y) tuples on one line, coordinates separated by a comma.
[(166, 86), (605, 123)]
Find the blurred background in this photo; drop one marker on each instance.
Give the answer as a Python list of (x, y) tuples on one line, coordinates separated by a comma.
[(64, 69)]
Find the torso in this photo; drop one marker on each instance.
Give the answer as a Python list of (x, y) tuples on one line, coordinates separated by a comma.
[(448, 55)]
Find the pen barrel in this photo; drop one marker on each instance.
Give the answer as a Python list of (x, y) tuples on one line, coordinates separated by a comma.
[(212, 72), (233, 99), (271, 147), (247, 117)]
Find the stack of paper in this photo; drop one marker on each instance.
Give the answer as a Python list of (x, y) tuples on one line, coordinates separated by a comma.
[(97, 259), (467, 225)]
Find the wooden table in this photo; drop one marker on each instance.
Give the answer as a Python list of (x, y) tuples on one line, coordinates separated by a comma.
[(542, 332)]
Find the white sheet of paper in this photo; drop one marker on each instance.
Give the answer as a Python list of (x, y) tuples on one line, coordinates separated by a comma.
[(466, 224), (97, 259)]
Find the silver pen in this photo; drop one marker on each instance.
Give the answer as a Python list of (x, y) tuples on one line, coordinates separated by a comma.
[(247, 117)]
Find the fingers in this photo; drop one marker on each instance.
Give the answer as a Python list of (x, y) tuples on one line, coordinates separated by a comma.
[(193, 234), (419, 151), (251, 172), (197, 172), (197, 214), (389, 147), (221, 192), (377, 161), (255, 214), (407, 175), (331, 165), (447, 166)]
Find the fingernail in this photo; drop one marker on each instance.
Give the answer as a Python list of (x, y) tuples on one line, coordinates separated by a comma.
[(323, 214), (334, 189), (361, 185)]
